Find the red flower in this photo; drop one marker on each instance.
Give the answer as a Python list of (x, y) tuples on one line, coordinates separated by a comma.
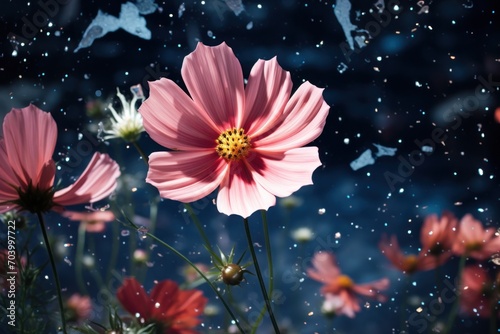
[(27, 170), (475, 241), (174, 311), (478, 293), (338, 285)]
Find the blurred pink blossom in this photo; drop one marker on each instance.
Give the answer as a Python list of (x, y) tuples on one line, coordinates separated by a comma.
[(336, 284)]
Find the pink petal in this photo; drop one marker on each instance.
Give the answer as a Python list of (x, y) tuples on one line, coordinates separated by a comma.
[(186, 176), (373, 289), (173, 120), (325, 267), (214, 79), (301, 123), (282, 174), (30, 137), (8, 179), (239, 194), (97, 181), (102, 216), (267, 93)]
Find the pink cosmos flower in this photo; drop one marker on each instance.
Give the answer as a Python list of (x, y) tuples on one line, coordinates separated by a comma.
[(408, 264), (245, 140), (172, 310), (27, 171), (474, 241), (437, 236), (478, 293), (342, 286), (78, 308), (94, 221)]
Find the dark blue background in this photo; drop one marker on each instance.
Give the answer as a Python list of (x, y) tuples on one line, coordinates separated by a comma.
[(368, 106)]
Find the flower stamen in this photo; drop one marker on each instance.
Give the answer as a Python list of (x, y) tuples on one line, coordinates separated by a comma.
[(233, 144)]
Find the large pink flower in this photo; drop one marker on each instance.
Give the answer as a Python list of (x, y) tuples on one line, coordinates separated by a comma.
[(341, 287), (245, 140), (27, 170)]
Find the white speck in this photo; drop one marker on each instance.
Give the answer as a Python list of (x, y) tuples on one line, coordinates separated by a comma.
[(480, 171), (321, 211), (346, 141), (249, 25)]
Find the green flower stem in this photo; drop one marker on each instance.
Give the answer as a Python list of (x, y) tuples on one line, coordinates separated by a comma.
[(214, 288), (114, 252), (402, 303), (141, 152), (199, 227), (270, 267), (259, 276), (455, 307), (493, 317), (54, 270), (80, 246)]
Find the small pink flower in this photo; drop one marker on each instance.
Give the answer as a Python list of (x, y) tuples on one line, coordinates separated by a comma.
[(245, 140), (408, 264), (172, 310), (342, 286), (437, 236), (474, 241), (78, 308), (94, 221), (27, 171), (478, 293)]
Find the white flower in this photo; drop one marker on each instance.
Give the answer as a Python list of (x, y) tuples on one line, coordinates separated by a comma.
[(302, 234), (128, 124)]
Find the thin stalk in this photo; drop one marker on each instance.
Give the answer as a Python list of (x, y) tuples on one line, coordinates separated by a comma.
[(214, 288), (114, 252), (80, 246), (54, 270), (141, 152), (199, 227), (454, 310), (259, 276), (402, 303), (269, 265)]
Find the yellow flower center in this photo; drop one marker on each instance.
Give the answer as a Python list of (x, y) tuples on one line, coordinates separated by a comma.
[(345, 282), (410, 264), (233, 144)]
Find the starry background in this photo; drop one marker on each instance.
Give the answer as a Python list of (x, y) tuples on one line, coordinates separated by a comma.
[(416, 73)]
